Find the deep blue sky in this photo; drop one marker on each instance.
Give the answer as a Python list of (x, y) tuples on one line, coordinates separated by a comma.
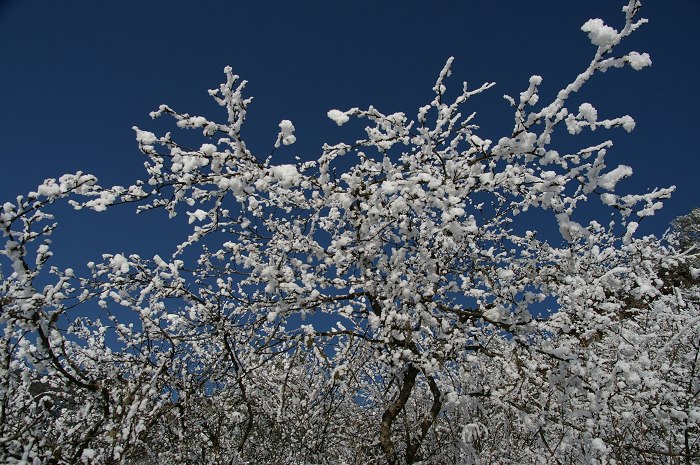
[(75, 76)]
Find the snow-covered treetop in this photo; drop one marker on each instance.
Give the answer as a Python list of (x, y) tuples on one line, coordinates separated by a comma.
[(391, 279)]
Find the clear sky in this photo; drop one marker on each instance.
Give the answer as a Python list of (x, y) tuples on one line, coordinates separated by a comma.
[(75, 76)]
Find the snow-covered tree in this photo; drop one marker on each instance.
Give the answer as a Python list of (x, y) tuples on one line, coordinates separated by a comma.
[(687, 229), (385, 302)]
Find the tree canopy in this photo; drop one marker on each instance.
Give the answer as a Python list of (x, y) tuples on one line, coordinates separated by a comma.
[(390, 301)]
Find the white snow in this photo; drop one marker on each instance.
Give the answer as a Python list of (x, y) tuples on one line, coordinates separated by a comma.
[(49, 188), (600, 34), (286, 136), (119, 264), (338, 116), (627, 123), (87, 455), (145, 137), (638, 60), (198, 214), (286, 175), (598, 444), (208, 149), (588, 113), (609, 180)]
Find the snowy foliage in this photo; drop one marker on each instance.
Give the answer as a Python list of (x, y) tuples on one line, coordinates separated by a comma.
[(383, 303)]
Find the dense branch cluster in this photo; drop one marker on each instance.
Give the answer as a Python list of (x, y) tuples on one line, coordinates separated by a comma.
[(383, 303)]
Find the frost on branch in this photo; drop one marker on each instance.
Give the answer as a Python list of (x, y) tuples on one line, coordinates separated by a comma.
[(286, 135), (601, 34), (338, 116), (386, 302)]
